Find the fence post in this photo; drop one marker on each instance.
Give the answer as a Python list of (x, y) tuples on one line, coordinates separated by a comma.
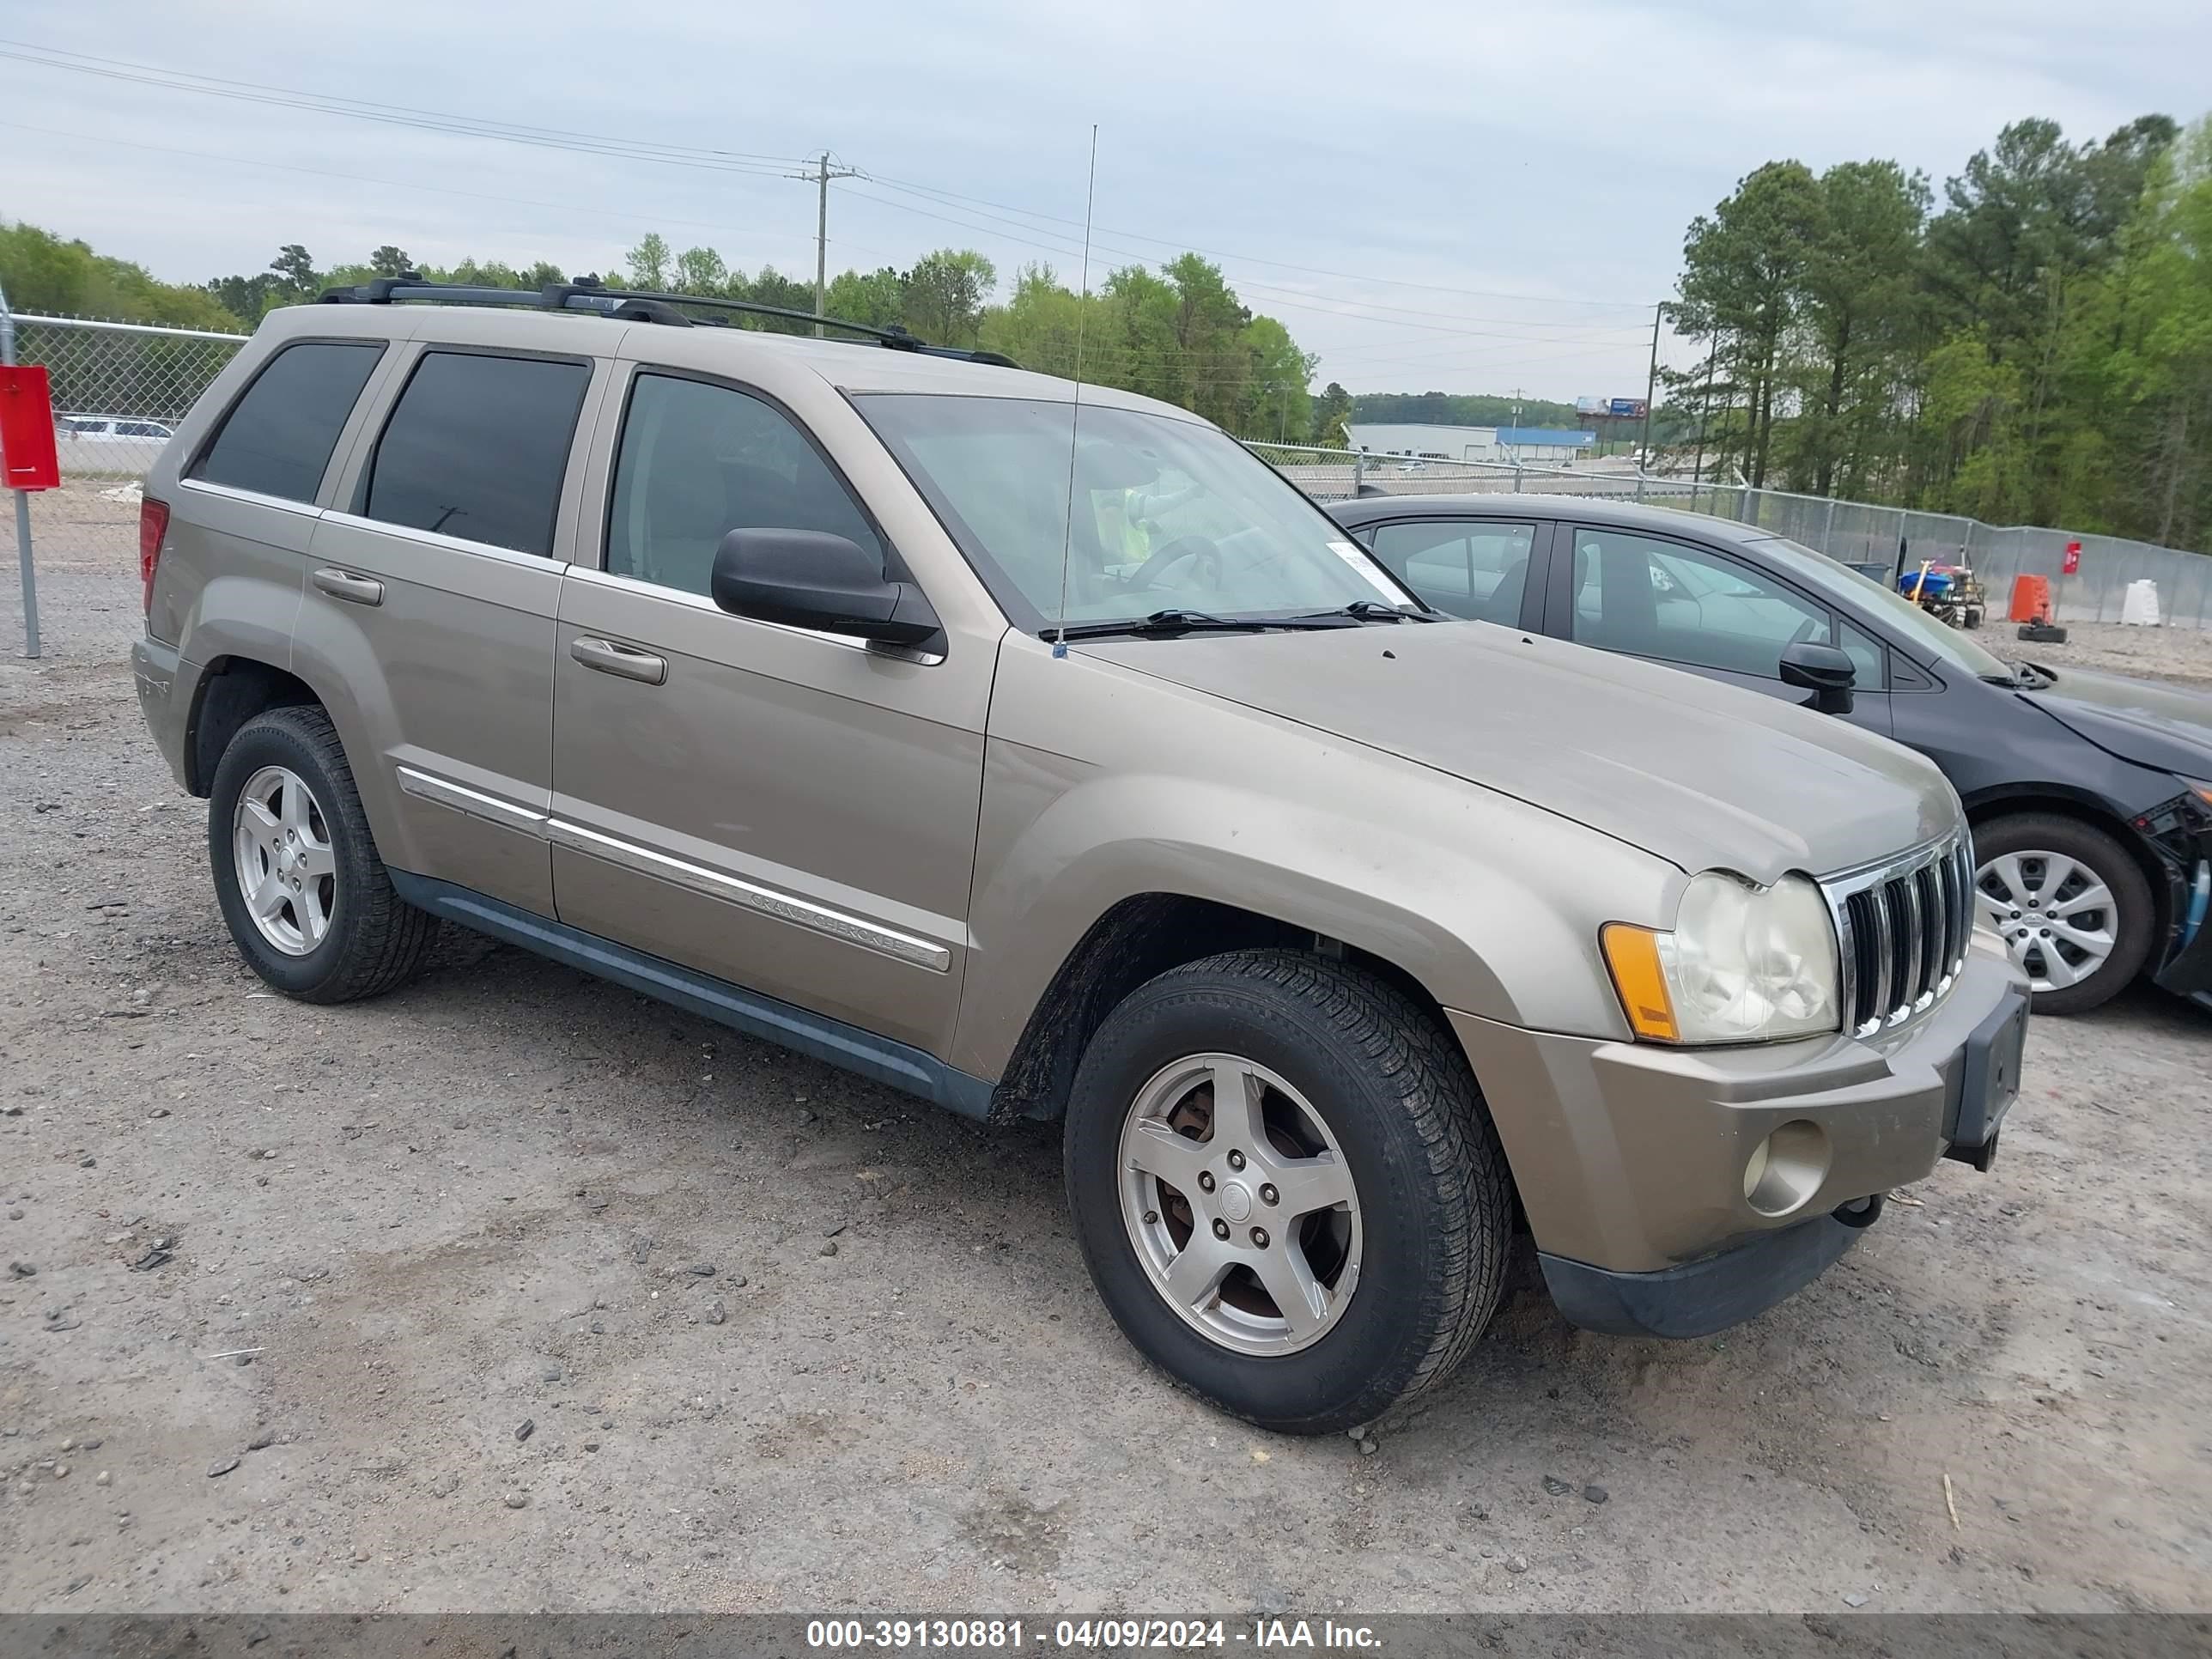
[(1828, 529), (22, 504), (1516, 476), (1358, 470)]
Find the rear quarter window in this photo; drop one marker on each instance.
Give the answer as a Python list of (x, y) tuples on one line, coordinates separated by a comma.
[(277, 438)]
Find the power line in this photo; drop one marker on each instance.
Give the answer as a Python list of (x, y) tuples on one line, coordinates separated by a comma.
[(652, 219), (1245, 258), (744, 163), (1276, 297), (1296, 298), (759, 165), (402, 116)]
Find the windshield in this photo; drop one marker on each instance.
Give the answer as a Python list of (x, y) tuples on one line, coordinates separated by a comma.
[(1921, 629), (1168, 514)]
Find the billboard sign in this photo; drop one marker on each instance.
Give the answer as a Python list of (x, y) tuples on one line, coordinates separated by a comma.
[(1593, 405), (1627, 409)]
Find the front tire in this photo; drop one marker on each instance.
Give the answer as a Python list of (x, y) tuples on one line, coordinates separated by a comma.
[(296, 873), (2072, 908), (1329, 1243)]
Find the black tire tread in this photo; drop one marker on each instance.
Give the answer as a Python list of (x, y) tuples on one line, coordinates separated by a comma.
[(1422, 1064), (390, 937), (2063, 833)]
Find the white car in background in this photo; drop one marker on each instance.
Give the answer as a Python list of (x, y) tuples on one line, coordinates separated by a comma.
[(110, 429)]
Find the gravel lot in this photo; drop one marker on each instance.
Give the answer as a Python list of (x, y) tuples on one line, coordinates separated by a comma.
[(467, 1234)]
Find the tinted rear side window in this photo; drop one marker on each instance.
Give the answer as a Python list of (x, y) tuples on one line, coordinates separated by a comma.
[(477, 446), (278, 437)]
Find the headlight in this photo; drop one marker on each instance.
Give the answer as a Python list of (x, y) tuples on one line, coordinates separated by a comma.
[(2201, 790), (1743, 965)]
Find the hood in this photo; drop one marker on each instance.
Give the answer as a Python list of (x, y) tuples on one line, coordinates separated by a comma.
[(1704, 776), (2158, 726)]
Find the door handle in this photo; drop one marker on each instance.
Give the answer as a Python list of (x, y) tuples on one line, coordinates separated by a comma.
[(608, 657), (354, 590)]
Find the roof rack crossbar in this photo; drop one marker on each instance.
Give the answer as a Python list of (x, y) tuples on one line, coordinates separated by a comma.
[(645, 305)]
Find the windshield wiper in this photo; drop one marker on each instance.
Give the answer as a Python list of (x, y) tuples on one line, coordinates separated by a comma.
[(1196, 622), (1374, 610)]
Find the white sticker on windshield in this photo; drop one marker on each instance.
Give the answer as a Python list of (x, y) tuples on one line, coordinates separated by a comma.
[(1359, 560)]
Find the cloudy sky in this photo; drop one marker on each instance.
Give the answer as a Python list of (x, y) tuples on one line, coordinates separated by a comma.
[(1441, 196)]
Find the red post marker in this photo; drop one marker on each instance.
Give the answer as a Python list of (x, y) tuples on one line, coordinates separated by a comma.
[(27, 460), (2072, 562)]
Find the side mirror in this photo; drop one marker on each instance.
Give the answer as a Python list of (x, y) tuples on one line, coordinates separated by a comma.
[(1826, 671), (807, 579)]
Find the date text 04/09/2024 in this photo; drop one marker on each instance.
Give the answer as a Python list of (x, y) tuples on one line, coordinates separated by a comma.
[(1077, 1635)]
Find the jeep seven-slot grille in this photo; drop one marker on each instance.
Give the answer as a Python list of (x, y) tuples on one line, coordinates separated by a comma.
[(1903, 927)]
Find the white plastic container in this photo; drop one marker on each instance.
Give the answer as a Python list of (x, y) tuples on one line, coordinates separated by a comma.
[(2139, 605)]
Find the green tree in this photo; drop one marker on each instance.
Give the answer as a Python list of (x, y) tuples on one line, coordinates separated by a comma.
[(390, 261), (295, 274), (1454, 408), (43, 273), (2162, 371), (877, 298), (649, 263), (699, 271), (1743, 283), (1042, 326), (946, 294), (1271, 399), (1331, 418), (772, 287), (1859, 312)]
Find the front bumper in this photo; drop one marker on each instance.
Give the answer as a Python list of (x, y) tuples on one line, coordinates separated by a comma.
[(1700, 1297), (2179, 834), (1631, 1159), (2188, 971)]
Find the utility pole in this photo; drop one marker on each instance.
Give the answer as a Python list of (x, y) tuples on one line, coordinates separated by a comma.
[(1650, 386), (820, 177)]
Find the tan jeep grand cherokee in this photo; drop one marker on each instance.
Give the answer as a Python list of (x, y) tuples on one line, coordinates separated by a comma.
[(776, 678)]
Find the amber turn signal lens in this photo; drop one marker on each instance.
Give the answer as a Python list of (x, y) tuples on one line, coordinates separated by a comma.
[(1632, 954)]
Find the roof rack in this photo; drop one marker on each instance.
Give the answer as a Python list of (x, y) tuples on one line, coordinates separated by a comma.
[(589, 294)]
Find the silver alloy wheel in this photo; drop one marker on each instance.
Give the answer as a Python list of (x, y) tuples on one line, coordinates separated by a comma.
[(1240, 1205), (2057, 915), (287, 874)]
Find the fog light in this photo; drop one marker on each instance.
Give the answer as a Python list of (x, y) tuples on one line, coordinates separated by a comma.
[(1786, 1169)]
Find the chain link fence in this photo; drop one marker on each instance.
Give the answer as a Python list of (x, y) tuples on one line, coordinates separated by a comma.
[(1853, 532), (119, 389)]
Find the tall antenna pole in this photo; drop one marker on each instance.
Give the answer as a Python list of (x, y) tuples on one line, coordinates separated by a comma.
[(820, 177), (1650, 385), (1075, 415)]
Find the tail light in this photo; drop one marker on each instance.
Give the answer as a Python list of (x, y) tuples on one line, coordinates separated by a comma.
[(153, 527)]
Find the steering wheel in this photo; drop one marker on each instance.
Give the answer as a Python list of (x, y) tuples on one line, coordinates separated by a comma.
[(1205, 566)]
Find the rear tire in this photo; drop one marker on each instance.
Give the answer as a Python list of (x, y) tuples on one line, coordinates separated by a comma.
[(2073, 908), (296, 871), (1350, 1093)]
